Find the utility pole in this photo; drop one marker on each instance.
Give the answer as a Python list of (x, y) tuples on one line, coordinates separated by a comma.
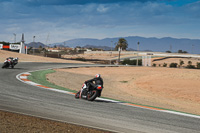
[(119, 56), (111, 46), (33, 38), (14, 37), (111, 53), (47, 40), (137, 52), (33, 45)]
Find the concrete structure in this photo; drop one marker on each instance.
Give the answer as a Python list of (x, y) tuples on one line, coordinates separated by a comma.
[(22, 47)]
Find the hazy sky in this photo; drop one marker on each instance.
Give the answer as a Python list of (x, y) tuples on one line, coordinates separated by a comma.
[(62, 20)]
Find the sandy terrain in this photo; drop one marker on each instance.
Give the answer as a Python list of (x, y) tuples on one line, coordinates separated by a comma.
[(171, 88), (99, 56), (177, 60), (32, 58)]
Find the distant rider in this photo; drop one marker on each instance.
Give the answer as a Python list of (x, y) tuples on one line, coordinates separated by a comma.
[(12, 61)]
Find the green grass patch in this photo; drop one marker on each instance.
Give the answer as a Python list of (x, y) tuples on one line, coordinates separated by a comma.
[(40, 78), (123, 81)]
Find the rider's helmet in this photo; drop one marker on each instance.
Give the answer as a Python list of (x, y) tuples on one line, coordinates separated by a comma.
[(16, 58), (97, 75)]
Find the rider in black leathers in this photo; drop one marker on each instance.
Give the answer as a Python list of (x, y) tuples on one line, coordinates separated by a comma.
[(12, 61), (97, 81)]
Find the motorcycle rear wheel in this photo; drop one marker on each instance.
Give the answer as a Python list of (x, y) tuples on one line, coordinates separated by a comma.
[(92, 95)]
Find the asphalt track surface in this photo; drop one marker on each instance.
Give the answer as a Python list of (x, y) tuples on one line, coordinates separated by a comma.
[(16, 96)]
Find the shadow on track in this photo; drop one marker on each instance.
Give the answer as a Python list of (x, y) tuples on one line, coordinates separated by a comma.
[(15, 68)]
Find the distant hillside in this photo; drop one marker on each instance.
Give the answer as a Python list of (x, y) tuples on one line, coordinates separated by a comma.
[(35, 44), (101, 47), (146, 44)]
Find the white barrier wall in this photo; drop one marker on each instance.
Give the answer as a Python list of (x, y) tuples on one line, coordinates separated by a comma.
[(14, 46), (146, 60), (143, 53)]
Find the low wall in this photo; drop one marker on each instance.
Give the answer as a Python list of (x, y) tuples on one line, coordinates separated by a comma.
[(143, 53)]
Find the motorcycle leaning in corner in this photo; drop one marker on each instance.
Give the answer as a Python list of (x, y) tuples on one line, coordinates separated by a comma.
[(10, 62), (88, 93), (89, 90)]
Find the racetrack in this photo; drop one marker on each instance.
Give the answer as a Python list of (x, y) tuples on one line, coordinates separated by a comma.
[(15, 96)]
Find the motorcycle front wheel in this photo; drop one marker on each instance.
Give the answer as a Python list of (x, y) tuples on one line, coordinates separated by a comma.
[(4, 65), (77, 95)]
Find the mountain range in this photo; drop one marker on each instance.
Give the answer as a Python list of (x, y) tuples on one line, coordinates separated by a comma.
[(145, 44), (35, 44)]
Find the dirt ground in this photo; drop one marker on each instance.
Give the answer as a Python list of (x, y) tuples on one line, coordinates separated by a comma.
[(171, 88), (176, 60), (33, 58), (17, 123), (99, 56)]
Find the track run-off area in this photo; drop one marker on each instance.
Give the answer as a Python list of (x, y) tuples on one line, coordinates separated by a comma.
[(112, 115)]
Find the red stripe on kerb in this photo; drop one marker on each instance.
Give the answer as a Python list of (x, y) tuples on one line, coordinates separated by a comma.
[(42, 86), (71, 93), (25, 79), (24, 74), (130, 104)]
